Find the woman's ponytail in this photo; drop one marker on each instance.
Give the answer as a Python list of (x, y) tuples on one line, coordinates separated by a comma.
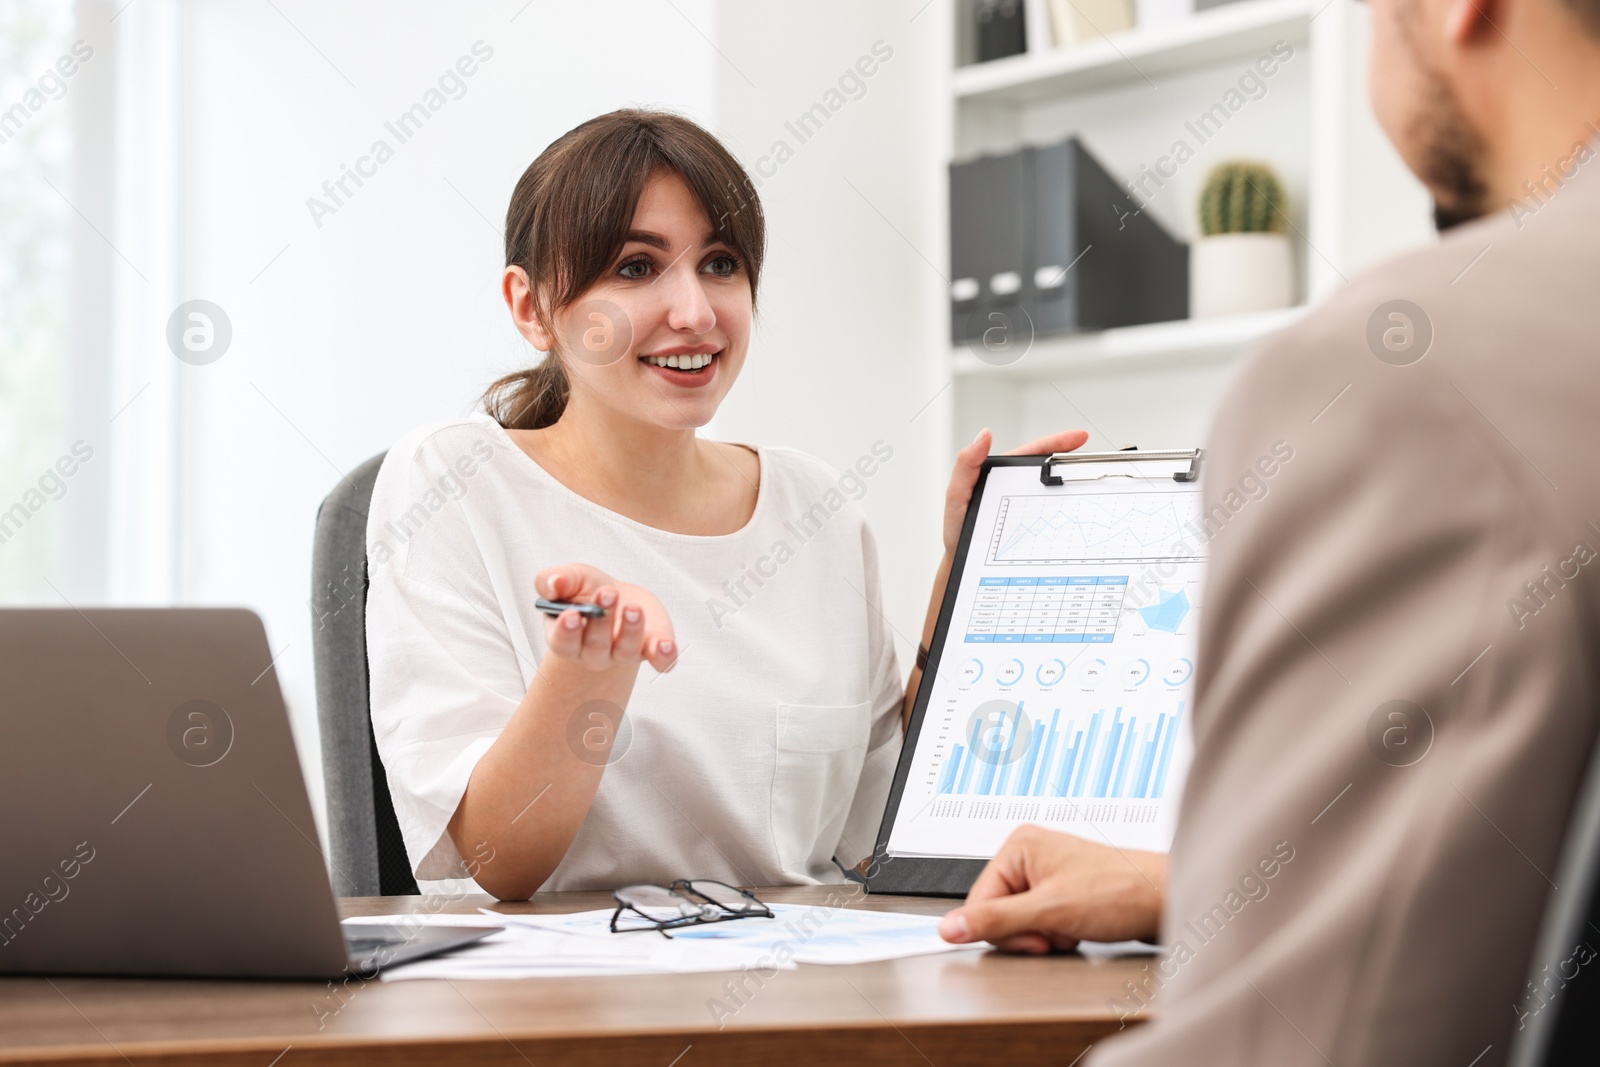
[(529, 399)]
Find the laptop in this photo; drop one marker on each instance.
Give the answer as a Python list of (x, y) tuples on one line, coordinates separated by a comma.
[(155, 820)]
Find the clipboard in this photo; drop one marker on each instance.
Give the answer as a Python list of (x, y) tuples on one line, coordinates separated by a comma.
[(1060, 678)]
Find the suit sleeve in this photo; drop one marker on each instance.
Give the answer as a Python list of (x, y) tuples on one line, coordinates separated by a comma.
[(1367, 715)]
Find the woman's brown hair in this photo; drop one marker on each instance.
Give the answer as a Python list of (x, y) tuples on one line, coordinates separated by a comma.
[(570, 215)]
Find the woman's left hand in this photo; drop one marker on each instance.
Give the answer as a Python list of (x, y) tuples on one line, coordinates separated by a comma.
[(970, 460)]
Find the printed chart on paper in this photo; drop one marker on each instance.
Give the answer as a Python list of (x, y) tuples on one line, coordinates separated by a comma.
[(1065, 684)]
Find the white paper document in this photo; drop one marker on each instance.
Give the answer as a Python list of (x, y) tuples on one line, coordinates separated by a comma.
[(521, 951), (798, 932), (582, 944)]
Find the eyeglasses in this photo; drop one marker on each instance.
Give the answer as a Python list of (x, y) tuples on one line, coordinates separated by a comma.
[(686, 902)]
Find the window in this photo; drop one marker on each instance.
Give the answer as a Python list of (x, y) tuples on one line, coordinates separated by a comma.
[(36, 261)]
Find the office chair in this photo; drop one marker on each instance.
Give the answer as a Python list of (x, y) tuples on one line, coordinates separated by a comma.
[(369, 855), (1559, 1014)]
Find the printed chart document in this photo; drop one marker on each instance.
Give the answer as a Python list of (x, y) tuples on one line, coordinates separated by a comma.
[(520, 950), (581, 944), (1065, 680), (800, 933)]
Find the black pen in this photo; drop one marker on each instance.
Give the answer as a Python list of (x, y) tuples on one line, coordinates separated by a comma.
[(556, 607)]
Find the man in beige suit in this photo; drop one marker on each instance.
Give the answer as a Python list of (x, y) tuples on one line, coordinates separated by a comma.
[(1400, 653)]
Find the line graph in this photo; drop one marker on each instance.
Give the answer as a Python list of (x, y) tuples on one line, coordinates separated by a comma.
[(1097, 528)]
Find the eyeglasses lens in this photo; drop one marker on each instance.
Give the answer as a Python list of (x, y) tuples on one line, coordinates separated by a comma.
[(725, 895), (656, 902)]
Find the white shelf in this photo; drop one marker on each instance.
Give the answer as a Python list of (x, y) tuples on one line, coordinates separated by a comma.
[(1243, 28), (1184, 339)]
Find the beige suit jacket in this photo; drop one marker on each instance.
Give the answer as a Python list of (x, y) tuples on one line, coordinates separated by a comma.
[(1399, 662)]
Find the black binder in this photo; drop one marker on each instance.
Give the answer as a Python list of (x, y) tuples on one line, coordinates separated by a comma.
[(989, 248), (1002, 29), (1125, 269), (1047, 237)]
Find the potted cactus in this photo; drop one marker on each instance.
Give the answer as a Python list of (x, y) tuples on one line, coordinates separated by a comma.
[(1241, 261)]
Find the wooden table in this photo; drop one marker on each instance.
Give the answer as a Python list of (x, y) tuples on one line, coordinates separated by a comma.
[(970, 1007)]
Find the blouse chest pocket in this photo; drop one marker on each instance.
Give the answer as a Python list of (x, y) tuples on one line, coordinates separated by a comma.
[(820, 751)]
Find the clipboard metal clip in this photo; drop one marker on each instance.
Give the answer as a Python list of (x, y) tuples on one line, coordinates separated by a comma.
[(1047, 475)]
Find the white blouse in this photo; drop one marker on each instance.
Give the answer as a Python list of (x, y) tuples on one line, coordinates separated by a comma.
[(762, 757)]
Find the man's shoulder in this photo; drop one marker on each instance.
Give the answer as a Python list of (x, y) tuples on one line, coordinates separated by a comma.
[(1467, 307), (1468, 363)]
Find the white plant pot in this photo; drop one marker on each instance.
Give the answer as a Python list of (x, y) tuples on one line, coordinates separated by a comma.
[(1231, 273)]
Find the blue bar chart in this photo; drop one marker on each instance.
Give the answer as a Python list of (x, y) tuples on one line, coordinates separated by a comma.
[(1109, 755)]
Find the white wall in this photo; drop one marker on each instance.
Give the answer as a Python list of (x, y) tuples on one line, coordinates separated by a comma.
[(851, 344)]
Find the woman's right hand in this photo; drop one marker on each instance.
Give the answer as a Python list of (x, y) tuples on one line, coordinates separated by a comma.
[(969, 461), (635, 627)]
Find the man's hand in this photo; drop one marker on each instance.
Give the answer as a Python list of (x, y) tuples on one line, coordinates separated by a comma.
[(1047, 891), (970, 460), (636, 625)]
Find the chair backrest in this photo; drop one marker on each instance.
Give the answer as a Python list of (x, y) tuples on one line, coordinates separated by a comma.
[(368, 853), (1559, 1007)]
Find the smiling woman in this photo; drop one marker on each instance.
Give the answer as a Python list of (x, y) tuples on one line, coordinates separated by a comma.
[(633, 248), (572, 212)]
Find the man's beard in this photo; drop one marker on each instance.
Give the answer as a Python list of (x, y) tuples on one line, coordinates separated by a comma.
[(1452, 158)]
